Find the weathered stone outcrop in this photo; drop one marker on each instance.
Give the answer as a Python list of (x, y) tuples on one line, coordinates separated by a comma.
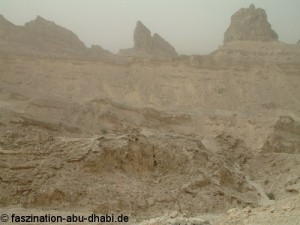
[(147, 46), (142, 37), (250, 24), (285, 137)]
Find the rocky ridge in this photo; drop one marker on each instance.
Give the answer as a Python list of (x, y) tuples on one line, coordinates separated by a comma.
[(43, 37)]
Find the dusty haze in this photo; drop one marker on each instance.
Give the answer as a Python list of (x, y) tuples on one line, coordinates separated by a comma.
[(192, 26)]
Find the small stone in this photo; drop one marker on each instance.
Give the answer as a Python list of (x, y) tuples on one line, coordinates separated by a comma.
[(288, 208), (248, 209), (273, 209), (174, 214), (232, 211)]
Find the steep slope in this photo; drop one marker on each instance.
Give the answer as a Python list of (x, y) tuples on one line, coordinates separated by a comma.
[(46, 35)]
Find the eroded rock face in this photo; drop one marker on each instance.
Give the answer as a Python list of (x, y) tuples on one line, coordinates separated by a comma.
[(285, 137), (250, 24)]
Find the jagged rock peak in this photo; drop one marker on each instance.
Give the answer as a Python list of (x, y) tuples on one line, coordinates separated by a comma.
[(39, 21), (250, 24), (142, 37), (145, 42), (252, 7)]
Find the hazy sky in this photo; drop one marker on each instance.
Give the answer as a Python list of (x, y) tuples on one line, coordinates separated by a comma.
[(191, 26)]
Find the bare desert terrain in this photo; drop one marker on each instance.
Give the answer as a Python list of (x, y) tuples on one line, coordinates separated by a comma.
[(160, 137)]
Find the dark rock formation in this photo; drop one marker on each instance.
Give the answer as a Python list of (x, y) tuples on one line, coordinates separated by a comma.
[(250, 24)]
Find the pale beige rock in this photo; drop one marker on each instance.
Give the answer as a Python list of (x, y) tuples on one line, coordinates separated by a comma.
[(232, 211), (248, 209)]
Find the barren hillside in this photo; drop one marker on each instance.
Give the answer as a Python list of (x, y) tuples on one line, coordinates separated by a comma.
[(179, 139)]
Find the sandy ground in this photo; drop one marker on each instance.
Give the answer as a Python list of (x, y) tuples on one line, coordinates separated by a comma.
[(201, 140)]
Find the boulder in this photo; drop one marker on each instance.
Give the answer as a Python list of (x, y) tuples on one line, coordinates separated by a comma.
[(250, 24)]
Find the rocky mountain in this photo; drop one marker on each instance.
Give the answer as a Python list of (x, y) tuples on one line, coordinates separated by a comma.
[(208, 139), (250, 24), (43, 37), (146, 45), (48, 35), (9, 31)]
